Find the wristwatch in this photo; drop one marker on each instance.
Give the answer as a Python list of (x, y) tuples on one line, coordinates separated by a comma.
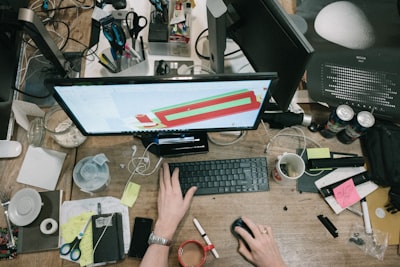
[(153, 239)]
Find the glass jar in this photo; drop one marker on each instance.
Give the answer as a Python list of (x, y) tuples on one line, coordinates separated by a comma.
[(59, 126)]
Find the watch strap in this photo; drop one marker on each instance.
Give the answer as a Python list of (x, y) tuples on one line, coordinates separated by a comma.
[(154, 239)]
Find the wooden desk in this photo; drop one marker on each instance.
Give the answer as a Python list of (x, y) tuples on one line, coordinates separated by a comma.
[(293, 216)]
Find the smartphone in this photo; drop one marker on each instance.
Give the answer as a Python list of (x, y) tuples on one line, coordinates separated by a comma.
[(141, 232)]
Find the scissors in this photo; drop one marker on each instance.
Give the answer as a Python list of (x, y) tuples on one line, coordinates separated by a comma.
[(135, 24), (73, 248), (116, 37)]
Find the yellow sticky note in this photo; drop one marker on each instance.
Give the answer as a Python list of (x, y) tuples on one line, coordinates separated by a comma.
[(130, 195), (319, 153)]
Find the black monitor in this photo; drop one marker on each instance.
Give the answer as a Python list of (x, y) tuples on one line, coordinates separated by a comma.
[(162, 108), (268, 38), (357, 54)]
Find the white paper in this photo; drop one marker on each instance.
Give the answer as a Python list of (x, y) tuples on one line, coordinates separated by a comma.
[(41, 167)]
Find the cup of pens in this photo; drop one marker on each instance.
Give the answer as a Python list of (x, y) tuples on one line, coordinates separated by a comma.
[(193, 253)]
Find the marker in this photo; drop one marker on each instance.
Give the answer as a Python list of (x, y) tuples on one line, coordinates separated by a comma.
[(367, 221), (205, 237)]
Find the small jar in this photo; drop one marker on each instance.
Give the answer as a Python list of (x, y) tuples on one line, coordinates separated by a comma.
[(59, 126)]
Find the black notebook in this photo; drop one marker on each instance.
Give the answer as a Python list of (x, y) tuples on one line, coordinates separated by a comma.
[(108, 242)]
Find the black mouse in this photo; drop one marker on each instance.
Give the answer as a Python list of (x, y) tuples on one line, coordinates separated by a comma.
[(239, 222)]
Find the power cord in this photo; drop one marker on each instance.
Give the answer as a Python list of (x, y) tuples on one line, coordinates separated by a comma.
[(282, 133)]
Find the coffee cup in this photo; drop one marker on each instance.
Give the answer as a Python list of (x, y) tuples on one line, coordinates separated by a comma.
[(289, 167), (193, 253)]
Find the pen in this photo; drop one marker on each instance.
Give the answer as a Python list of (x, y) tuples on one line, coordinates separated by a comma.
[(105, 60), (142, 47), (367, 221), (205, 237)]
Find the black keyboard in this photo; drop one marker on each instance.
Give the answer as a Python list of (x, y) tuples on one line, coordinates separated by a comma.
[(223, 176)]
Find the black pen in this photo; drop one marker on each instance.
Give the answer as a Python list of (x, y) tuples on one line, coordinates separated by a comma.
[(142, 47)]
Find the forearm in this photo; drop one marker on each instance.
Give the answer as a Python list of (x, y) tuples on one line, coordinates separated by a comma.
[(156, 255)]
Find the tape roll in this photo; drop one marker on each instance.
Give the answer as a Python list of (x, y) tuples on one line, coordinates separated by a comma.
[(48, 226)]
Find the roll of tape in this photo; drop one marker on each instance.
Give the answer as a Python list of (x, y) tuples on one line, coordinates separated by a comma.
[(48, 226)]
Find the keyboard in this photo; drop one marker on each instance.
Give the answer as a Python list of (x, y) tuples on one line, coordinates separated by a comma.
[(223, 176)]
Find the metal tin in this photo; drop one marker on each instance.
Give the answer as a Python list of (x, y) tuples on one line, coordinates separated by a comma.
[(338, 120), (359, 125)]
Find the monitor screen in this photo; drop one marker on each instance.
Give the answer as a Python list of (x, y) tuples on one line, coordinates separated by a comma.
[(356, 54), (153, 104), (271, 42)]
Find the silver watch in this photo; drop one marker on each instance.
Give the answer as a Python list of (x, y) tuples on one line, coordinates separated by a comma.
[(153, 239)]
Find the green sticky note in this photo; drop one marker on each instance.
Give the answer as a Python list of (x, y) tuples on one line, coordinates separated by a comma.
[(130, 195), (319, 153)]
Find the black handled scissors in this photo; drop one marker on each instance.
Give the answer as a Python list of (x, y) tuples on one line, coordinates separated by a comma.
[(73, 248), (135, 24)]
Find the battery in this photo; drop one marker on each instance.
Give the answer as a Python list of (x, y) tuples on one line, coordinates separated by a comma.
[(358, 126), (337, 121)]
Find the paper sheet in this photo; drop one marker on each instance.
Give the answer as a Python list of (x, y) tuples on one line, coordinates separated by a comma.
[(41, 167)]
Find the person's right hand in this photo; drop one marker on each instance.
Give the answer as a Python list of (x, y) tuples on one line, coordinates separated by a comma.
[(172, 206), (264, 251)]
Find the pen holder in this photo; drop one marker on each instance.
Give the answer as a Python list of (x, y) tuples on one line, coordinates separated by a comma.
[(129, 65)]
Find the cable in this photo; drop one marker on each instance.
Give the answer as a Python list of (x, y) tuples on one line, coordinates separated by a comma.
[(206, 57), (240, 137), (302, 135)]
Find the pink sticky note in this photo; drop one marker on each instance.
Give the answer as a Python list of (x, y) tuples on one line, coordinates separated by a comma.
[(346, 194)]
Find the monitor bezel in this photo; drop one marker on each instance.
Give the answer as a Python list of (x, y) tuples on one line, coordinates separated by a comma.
[(51, 83)]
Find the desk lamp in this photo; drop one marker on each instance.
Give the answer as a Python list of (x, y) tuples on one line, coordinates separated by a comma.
[(62, 63)]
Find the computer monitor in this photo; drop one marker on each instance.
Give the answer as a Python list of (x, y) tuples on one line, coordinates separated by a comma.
[(159, 106), (356, 54), (268, 38)]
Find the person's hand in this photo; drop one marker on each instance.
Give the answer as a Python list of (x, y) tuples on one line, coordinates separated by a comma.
[(264, 251), (171, 204)]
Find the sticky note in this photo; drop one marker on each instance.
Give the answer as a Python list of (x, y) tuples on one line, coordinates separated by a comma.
[(346, 194), (319, 153), (130, 195)]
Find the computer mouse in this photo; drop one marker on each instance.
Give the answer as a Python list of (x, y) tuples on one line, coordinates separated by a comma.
[(239, 222), (10, 149)]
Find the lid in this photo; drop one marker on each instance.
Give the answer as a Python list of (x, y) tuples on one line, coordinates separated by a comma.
[(24, 206), (345, 112), (91, 174), (365, 119)]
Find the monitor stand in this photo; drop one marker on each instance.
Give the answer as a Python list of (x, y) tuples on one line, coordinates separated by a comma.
[(176, 144)]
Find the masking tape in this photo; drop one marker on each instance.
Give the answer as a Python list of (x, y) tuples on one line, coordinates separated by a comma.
[(48, 226)]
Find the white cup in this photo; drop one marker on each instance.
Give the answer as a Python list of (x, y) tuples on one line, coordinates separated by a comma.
[(289, 167)]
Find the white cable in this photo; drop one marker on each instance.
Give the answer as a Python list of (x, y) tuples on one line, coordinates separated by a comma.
[(303, 136), (240, 137)]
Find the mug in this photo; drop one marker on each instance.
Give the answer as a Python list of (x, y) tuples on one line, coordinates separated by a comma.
[(289, 167), (193, 253)]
